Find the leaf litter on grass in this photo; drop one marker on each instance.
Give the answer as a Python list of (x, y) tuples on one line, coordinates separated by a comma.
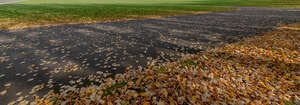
[(257, 70)]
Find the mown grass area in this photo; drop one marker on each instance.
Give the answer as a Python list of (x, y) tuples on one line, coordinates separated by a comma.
[(255, 3), (52, 12)]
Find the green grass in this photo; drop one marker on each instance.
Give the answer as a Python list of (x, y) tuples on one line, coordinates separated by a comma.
[(52, 12), (255, 3)]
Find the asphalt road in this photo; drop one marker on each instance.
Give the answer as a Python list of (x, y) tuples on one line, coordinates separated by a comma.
[(55, 55)]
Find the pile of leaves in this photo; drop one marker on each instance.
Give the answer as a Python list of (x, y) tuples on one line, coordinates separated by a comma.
[(258, 70)]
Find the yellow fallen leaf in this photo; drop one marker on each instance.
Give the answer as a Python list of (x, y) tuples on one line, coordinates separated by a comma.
[(146, 103)]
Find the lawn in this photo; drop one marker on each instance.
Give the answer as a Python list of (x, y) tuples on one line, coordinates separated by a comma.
[(255, 3), (52, 12)]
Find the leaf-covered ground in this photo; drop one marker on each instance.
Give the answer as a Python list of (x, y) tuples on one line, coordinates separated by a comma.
[(254, 71)]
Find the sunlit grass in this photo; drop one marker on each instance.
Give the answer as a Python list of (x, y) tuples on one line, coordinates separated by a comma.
[(52, 12), (256, 3)]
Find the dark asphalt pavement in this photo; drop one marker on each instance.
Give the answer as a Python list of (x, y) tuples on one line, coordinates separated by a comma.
[(56, 54)]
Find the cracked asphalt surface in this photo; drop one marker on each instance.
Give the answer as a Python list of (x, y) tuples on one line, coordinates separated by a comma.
[(54, 55)]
